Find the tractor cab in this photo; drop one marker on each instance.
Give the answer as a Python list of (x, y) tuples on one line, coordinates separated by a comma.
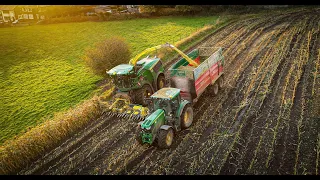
[(167, 99)]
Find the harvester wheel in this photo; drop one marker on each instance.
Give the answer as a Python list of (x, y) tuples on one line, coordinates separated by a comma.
[(141, 94), (138, 136), (165, 138), (221, 82), (186, 116), (161, 82), (215, 89)]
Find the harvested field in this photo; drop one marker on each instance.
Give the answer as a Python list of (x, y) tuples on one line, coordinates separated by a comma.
[(266, 120)]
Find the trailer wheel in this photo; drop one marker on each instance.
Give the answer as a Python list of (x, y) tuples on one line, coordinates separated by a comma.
[(165, 138), (186, 116), (215, 89), (221, 82), (138, 136), (161, 82), (142, 93)]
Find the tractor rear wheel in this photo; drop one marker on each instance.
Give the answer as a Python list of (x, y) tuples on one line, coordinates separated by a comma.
[(165, 138), (142, 94), (186, 116), (161, 82)]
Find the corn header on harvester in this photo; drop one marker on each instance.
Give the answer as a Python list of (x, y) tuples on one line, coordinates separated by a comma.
[(136, 82)]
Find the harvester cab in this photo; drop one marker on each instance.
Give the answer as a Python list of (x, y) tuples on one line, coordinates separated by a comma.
[(168, 114)]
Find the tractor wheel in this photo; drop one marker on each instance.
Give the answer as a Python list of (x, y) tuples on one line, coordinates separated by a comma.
[(215, 88), (188, 97), (138, 136), (161, 82), (186, 116), (142, 93), (221, 82), (165, 138)]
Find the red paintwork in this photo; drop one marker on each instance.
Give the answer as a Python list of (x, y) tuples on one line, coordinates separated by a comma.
[(206, 78), (197, 60)]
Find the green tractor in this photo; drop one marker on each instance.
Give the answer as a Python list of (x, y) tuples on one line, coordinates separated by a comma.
[(169, 113)]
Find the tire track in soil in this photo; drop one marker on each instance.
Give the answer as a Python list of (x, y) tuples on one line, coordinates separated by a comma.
[(241, 117), (79, 158), (239, 166), (268, 115), (252, 62), (286, 149), (73, 142), (310, 125), (230, 166), (279, 143), (259, 121), (273, 113), (236, 157)]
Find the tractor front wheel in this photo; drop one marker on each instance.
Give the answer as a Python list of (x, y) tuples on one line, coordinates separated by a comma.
[(165, 138), (186, 116), (142, 94)]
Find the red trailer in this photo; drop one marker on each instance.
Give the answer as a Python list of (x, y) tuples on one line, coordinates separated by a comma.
[(192, 81)]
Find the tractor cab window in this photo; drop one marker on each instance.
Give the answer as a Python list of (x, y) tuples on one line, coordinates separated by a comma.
[(175, 103), (161, 104)]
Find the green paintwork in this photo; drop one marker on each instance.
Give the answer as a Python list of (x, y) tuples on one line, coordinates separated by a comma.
[(174, 69), (143, 73), (147, 138), (183, 62), (166, 93), (147, 63), (181, 106), (151, 126), (122, 69), (156, 115), (161, 113)]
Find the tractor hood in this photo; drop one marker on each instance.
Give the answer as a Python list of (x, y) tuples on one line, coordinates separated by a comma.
[(122, 69), (152, 118)]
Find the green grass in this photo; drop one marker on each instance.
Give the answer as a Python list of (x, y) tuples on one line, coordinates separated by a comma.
[(41, 70)]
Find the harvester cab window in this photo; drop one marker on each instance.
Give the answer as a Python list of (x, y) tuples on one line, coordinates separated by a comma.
[(123, 81), (137, 67)]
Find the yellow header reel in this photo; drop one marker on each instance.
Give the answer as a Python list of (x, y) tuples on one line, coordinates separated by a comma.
[(122, 108)]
